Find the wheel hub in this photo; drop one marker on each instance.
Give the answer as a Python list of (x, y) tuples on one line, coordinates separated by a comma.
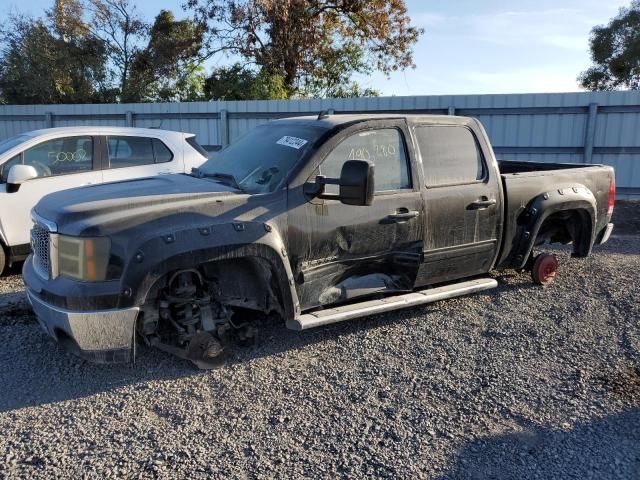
[(545, 269)]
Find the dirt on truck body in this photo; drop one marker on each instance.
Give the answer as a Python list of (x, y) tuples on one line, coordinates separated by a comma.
[(309, 220)]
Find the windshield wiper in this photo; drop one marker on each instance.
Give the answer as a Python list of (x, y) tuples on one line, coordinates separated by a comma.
[(225, 178)]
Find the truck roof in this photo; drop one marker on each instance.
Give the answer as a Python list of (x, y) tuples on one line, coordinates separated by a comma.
[(333, 120)]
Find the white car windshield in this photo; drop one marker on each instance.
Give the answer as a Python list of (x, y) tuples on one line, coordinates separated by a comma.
[(258, 161), (9, 143)]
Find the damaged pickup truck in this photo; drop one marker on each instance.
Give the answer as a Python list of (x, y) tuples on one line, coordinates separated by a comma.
[(309, 220)]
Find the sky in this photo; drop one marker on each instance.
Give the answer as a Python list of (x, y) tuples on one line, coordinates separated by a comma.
[(471, 46)]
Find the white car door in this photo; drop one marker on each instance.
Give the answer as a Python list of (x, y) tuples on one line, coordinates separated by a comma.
[(61, 163), (136, 156)]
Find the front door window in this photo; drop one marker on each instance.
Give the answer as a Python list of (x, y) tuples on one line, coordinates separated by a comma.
[(383, 147), (60, 156)]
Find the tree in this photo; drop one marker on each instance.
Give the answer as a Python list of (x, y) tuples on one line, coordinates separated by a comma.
[(81, 65), (305, 41), (240, 83), (120, 28), (187, 88), (52, 61), (352, 90), (27, 60), (86, 51), (331, 76), (66, 19), (168, 68), (615, 52)]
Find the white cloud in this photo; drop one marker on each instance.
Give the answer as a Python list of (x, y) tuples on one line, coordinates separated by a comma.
[(563, 28), (556, 27), (523, 80), (427, 19), (567, 42)]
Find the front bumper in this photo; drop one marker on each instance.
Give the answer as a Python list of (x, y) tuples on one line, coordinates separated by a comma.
[(106, 336)]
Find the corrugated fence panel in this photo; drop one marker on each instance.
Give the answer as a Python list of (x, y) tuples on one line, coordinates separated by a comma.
[(602, 127)]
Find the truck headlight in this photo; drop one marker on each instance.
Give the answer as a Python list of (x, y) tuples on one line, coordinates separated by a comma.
[(83, 258)]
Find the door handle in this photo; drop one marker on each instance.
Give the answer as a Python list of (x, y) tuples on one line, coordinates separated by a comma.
[(481, 204), (402, 215)]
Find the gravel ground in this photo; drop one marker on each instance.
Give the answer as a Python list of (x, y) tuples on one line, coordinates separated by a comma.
[(520, 382)]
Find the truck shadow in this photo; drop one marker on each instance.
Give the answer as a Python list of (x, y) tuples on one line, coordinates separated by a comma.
[(37, 371), (606, 448)]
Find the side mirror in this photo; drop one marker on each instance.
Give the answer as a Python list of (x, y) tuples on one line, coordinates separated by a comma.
[(356, 183), (19, 174)]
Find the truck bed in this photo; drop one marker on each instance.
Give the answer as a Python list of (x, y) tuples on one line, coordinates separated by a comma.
[(524, 181), (515, 167)]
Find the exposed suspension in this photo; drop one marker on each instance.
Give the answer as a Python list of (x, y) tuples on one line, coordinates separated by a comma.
[(189, 323)]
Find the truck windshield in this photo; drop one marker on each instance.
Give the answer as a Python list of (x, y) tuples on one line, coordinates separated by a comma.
[(259, 160)]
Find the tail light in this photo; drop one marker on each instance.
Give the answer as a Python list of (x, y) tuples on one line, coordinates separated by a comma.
[(612, 196)]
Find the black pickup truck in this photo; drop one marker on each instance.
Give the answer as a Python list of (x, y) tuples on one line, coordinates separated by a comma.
[(311, 220)]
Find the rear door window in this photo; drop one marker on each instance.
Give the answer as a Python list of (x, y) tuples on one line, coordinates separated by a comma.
[(450, 155), (197, 147), (125, 151), (161, 153)]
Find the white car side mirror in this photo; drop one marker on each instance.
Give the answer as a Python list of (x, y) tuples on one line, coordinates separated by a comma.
[(21, 173)]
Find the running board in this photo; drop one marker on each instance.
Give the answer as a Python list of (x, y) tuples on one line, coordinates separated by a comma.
[(387, 304)]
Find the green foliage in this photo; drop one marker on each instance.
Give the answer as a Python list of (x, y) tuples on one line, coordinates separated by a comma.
[(615, 52), (38, 66), (167, 68), (331, 76), (114, 56), (239, 83), (352, 90), (188, 87)]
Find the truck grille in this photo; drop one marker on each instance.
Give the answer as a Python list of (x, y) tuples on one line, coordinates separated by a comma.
[(40, 245)]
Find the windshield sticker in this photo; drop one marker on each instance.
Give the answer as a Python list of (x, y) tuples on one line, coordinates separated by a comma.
[(293, 142)]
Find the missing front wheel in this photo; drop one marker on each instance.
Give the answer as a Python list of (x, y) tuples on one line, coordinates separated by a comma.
[(188, 320)]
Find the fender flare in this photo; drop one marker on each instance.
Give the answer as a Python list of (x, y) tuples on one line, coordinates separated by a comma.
[(197, 245), (574, 197)]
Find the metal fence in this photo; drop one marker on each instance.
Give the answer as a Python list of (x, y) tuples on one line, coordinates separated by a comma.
[(602, 127)]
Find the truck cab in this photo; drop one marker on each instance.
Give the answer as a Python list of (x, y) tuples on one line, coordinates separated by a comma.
[(428, 222)]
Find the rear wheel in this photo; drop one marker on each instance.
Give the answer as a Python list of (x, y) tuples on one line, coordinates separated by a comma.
[(545, 268)]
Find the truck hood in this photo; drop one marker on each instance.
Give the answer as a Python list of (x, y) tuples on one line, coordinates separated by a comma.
[(103, 209)]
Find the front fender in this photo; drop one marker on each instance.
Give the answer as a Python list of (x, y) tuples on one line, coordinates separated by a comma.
[(574, 197), (194, 246)]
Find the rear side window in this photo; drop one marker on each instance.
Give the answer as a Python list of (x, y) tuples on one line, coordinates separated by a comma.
[(450, 155), (197, 147), (160, 151), (136, 151)]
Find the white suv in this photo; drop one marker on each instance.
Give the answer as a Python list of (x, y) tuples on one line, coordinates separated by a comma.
[(40, 162)]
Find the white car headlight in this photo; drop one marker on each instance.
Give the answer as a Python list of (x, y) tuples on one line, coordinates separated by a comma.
[(83, 258)]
